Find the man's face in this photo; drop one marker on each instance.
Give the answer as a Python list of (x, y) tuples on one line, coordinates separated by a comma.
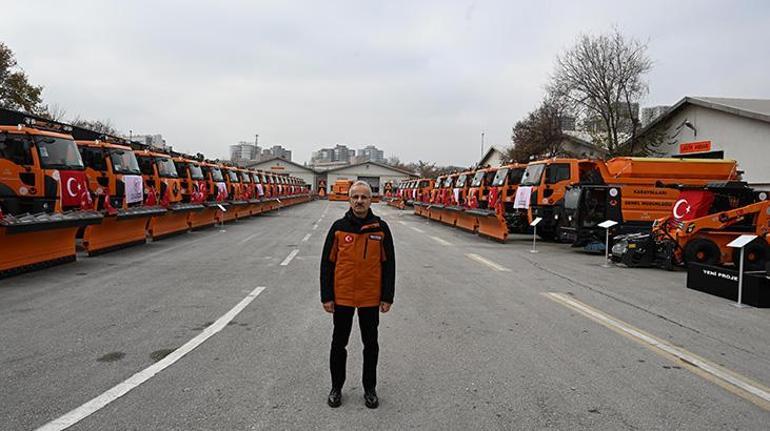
[(360, 200)]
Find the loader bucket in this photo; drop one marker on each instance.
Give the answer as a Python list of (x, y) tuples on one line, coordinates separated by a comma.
[(31, 242), (204, 218), (467, 221), (491, 225)]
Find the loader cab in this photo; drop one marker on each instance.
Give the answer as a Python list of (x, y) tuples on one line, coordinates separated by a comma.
[(161, 178), (41, 169)]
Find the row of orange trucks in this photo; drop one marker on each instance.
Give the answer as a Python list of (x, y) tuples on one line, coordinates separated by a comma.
[(62, 186), (669, 211)]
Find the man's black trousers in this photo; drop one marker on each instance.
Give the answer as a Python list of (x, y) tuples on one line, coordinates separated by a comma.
[(368, 320)]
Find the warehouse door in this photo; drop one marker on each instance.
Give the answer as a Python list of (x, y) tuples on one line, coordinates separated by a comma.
[(374, 183)]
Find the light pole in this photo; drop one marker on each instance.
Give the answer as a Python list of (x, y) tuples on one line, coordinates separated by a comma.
[(482, 145)]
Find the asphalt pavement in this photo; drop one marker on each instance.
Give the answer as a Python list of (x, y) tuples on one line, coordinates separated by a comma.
[(482, 335)]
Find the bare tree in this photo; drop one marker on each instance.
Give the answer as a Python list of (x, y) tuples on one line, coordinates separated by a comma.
[(100, 126), (539, 134), (54, 112), (601, 79)]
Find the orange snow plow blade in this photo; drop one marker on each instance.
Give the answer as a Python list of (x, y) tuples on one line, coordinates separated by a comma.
[(126, 228), (173, 222), (450, 215), (467, 221), (435, 212), (31, 242), (490, 224), (204, 218)]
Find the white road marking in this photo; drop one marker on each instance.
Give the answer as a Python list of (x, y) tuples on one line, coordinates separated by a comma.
[(307, 237), (248, 238), (402, 222), (137, 379), (417, 229), (487, 262), (728, 379), (441, 241), (290, 257)]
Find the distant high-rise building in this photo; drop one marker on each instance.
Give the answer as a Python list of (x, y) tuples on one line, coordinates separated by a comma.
[(155, 141), (370, 153), (279, 151), (243, 151), (338, 154)]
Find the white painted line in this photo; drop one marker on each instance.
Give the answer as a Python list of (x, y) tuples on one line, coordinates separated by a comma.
[(307, 237), (137, 379), (290, 257), (315, 226), (441, 241), (248, 238), (717, 373), (487, 262), (417, 229), (402, 222)]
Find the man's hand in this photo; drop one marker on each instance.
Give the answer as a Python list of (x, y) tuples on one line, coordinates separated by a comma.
[(329, 306), (384, 307)]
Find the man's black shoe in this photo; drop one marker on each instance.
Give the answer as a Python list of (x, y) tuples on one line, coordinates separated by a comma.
[(370, 397), (335, 398)]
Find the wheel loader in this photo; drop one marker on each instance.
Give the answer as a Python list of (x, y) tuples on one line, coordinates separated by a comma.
[(701, 224)]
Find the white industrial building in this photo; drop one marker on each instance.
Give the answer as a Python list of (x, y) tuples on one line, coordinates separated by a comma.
[(282, 166), (711, 127), (376, 174)]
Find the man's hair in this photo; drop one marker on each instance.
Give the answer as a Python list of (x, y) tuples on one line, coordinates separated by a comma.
[(363, 184)]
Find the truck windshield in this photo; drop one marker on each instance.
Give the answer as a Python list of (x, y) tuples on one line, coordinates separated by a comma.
[(477, 179), (216, 175), (246, 177), (233, 176), (448, 182), (514, 176), (533, 175), (166, 167), (124, 162), (58, 153), (424, 183), (438, 182), (500, 177), (196, 172), (256, 178), (461, 180)]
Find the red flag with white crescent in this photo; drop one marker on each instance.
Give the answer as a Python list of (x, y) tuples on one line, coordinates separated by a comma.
[(74, 189), (692, 204)]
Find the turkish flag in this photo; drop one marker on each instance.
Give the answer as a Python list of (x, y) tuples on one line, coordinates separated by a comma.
[(73, 188), (692, 204)]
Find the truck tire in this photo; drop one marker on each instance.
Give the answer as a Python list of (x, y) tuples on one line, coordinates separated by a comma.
[(755, 255), (703, 251)]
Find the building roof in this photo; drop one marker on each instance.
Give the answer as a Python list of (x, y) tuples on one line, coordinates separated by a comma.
[(382, 165), (583, 139), (251, 165), (755, 109), (492, 149)]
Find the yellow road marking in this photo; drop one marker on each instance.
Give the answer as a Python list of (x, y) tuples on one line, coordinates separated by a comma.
[(727, 379)]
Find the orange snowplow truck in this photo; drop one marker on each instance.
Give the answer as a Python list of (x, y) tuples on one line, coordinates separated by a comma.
[(162, 186), (44, 197), (197, 189), (115, 183), (623, 189)]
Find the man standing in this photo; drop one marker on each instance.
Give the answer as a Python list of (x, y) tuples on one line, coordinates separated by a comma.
[(358, 271)]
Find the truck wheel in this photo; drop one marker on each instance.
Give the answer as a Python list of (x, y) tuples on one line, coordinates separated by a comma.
[(702, 250), (754, 257)]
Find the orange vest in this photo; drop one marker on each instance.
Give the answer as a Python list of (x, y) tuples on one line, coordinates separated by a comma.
[(358, 272)]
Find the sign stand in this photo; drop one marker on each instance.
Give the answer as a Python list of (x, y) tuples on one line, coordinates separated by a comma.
[(741, 242), (534, 235), (607, 224)]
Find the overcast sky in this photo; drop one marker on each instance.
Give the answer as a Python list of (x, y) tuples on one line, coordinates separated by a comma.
[(418, 79)]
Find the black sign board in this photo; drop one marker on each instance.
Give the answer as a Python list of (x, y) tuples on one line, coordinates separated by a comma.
[(724, 282)]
